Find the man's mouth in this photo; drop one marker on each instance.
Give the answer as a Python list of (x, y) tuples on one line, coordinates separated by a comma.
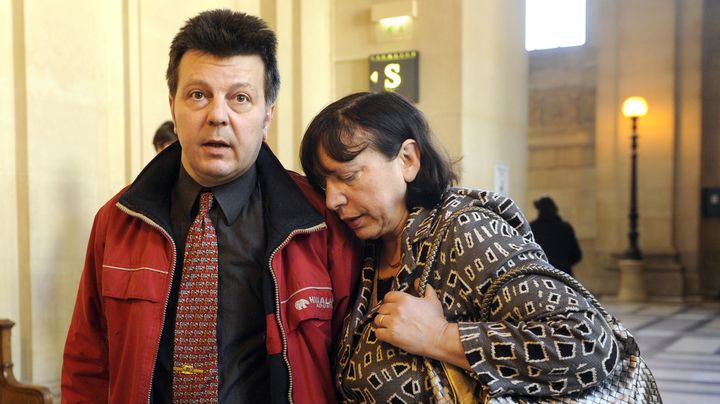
[(216, 144)]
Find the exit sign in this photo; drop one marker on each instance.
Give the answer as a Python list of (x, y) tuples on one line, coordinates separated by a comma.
[(396, 71)]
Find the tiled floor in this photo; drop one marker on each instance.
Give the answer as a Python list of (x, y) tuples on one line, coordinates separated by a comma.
[(681, 344)]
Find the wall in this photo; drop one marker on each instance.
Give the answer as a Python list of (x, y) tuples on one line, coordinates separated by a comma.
[(473, 78), (436, 38), (710, 227), (69, 131), (688, 144)]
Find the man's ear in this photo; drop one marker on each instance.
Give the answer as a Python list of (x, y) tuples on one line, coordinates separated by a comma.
[(269, 114), (172, 111), (410, 159)]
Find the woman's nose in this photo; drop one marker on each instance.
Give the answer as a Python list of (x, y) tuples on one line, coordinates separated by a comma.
[(334, 197)]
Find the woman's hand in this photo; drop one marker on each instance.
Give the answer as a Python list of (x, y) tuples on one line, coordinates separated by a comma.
[(418, 326)]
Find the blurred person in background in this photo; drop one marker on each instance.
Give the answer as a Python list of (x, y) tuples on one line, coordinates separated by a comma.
[(164, 136), (555, 236)]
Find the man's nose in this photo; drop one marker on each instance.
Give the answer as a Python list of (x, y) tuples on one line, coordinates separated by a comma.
[(217, 115)]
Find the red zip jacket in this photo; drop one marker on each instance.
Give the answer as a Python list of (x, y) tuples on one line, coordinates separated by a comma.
[(112, 343)]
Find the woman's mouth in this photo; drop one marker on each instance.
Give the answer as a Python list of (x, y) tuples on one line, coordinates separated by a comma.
[(353, 222)]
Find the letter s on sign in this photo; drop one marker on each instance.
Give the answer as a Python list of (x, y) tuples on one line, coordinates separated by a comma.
[(392, 74)]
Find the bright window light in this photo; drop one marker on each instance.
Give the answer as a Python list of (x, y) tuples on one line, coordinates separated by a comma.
[(554, 23)]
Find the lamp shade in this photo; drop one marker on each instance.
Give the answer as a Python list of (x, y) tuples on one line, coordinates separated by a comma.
[(635, 107)]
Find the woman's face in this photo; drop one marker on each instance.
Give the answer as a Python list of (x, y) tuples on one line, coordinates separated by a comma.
[(368, 192)]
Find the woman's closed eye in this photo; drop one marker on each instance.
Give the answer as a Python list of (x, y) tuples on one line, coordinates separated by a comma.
[(337, 178), (348, 177)]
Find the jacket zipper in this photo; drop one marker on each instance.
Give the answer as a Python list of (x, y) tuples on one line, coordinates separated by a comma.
[(172, 274), (278, 318)]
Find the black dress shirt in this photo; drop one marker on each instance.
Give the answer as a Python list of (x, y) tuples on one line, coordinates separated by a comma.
[(237, 214)]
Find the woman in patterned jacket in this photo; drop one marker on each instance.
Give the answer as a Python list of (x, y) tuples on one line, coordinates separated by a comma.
[(374, 158)]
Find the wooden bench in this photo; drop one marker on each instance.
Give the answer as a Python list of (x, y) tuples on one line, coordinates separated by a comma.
[(12, 391)]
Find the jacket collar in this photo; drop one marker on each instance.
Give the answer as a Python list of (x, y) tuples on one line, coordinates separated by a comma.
[(286, 207), (230, 197), (149, 194)]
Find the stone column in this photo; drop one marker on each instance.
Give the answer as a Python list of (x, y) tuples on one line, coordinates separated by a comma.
[(640, 54), (632, 281), (12, 170), (494, 93)]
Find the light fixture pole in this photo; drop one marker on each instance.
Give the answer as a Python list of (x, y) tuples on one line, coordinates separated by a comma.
[(632, 286)]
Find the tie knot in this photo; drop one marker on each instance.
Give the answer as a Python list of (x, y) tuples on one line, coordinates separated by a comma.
[(206, 200)]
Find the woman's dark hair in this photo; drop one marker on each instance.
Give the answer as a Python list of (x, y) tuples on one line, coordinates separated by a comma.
[(226, 33), (381, 121)]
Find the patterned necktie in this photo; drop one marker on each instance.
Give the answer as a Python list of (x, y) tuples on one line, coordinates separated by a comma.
[(195, 368)]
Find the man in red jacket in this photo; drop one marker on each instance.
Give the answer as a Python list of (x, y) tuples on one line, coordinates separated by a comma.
[(285, 266)]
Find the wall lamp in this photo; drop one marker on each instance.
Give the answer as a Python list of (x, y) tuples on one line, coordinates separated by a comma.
[(393, 20)]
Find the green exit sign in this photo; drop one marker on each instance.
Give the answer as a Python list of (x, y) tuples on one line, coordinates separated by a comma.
[(396, 71)]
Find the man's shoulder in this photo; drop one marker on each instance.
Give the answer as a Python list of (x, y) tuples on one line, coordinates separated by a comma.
[(111, 204), (113, 199), (312, 195), (317, 200), (108, 213)]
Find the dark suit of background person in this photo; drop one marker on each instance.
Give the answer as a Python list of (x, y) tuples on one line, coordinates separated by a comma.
[(555, 236), (286, 265)]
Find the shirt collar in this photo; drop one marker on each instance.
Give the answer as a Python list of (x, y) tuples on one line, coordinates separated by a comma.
[(231, 197)]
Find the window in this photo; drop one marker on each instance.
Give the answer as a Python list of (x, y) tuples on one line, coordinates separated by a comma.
[(554, 23)]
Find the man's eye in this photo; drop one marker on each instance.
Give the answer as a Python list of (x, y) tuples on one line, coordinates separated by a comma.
[(241, 98), (197, 95)]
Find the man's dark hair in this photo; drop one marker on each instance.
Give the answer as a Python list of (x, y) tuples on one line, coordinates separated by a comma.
[(164, 134), (381, 121), (226, 33)]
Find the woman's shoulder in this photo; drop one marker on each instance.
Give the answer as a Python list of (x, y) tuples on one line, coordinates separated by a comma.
[(491, 203), (459, 204)]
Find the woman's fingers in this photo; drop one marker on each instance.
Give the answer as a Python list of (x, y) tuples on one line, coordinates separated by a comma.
[(409, 322), (379, 318)]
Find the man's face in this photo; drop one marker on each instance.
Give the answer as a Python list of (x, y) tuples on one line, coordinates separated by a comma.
[(220, 115)]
